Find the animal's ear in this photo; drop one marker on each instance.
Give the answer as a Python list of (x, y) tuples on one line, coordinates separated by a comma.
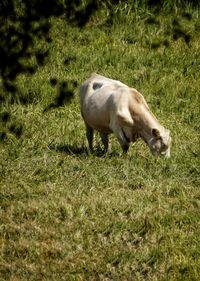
[(155, 133)]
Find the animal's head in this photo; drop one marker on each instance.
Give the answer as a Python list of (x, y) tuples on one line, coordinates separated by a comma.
[(160, 142)]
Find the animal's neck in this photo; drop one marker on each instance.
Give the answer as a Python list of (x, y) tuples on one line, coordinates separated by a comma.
[(146, 123)]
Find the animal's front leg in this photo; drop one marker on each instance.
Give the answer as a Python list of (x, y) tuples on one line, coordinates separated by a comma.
[(105, 141), (122, 138), (124, 145), (89, 135)]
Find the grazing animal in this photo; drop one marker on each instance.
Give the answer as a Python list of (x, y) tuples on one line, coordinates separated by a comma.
[(110, 106)]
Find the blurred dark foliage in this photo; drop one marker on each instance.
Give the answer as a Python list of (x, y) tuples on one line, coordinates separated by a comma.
[(5, 116), (23, 22), (53, 82), (159, 4), (65, 93), (178, 30), (152, 20), (187, 15), (69, 59), (16, 129), (2, 136)]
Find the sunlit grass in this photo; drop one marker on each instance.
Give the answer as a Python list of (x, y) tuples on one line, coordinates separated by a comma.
[(67, 214)]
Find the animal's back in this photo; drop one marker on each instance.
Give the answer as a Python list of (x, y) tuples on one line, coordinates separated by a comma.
[(101, 98), (96, 81)]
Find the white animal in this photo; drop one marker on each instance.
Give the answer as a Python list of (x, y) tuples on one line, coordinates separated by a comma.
[(110, 106)]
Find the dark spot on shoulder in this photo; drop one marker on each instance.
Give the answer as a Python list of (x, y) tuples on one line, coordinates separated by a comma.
[(97, 85)]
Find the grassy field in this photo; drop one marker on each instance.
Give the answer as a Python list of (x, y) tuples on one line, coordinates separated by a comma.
[(67, 214)]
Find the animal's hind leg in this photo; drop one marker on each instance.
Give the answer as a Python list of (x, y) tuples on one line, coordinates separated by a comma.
[(105, 141), (89, 135)]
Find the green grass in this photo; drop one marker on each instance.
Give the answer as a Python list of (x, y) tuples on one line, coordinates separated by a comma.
[(67, 214)]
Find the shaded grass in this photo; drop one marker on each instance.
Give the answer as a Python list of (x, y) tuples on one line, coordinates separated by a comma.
[(70, 215)]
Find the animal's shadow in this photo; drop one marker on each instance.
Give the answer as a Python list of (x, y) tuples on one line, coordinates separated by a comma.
[(69, 149), (79, 150)]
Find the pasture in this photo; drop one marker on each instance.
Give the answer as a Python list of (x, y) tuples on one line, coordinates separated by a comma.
[(67, 214)]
